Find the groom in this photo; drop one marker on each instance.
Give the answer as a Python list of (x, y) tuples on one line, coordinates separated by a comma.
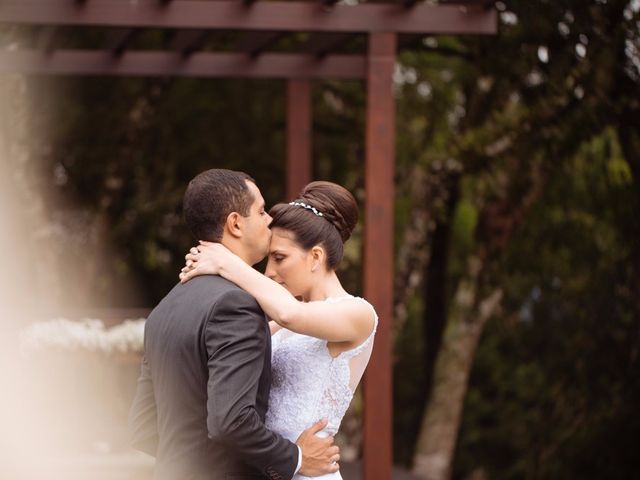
[(206, 372)]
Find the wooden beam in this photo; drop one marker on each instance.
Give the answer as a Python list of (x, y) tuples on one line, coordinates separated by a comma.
[(298, 136), (471, 3), (272, 16), (378, 252), (200, 64)]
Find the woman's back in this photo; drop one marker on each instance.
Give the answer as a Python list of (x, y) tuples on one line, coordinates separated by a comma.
[(309, 384)]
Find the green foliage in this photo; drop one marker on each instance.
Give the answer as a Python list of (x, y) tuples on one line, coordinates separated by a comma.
[(409, 383), (548, 104), (465, 221), (556, 377)]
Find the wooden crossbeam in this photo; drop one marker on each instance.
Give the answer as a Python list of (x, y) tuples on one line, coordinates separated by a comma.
[(272, 16), (199, 64), (471, 3)]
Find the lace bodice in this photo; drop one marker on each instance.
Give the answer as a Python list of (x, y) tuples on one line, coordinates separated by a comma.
[(308, 384)]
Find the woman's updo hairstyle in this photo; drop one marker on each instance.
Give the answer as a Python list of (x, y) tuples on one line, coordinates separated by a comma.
[(339, 216)]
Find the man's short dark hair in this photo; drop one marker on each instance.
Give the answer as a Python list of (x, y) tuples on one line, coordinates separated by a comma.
[(211, 196)]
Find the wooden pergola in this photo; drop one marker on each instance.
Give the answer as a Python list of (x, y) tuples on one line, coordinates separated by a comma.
[(297, 41)]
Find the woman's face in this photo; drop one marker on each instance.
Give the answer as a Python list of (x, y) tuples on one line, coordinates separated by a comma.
[(288, 264)]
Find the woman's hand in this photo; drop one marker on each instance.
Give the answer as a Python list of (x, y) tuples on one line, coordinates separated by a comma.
[(206, 259)]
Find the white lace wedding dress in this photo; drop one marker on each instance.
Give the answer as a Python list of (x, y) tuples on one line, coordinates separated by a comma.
[(308, 384)]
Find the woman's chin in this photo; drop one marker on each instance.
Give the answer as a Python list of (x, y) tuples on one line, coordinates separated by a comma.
[(292, 292)]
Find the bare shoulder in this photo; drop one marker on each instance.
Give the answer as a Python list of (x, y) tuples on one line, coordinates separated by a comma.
[(359, 311)]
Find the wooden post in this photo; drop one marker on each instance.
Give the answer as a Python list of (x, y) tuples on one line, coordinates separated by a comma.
[(298, 136), (378, 252)]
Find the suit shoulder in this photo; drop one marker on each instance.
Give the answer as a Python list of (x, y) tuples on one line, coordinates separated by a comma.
[(236, 304), (198, 296), (221, 290), (236, 298), (209, 287)]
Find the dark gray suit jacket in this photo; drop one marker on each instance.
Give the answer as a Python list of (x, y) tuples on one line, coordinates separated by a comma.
[(203, 391)]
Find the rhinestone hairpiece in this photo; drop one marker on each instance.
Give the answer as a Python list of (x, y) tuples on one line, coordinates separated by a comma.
[(308, 207)]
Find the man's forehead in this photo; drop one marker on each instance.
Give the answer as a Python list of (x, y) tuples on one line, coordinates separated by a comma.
[(255, 191)]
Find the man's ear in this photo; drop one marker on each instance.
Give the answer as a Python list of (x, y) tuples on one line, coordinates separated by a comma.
[(233, 224)]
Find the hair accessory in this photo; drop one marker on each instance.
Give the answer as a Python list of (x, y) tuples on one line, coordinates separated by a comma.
[(308, 207)]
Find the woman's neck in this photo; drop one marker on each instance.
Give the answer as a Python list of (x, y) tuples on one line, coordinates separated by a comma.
[(328, 286)]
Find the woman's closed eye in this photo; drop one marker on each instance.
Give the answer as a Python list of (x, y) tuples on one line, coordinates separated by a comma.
[(277, 258)]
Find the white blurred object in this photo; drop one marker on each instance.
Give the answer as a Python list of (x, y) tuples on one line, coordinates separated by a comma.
[(88, 334)]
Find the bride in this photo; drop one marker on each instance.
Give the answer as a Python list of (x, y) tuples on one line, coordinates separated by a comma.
[(322, 344)]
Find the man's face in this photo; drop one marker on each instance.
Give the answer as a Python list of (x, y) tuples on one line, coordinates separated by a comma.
[(257, 233)]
